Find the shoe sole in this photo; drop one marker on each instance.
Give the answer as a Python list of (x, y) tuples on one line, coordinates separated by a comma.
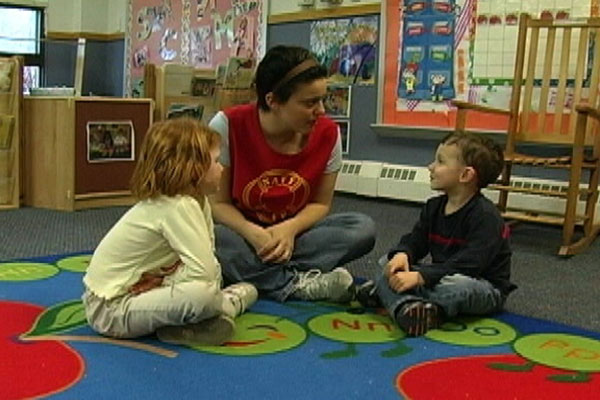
[(420, 317), (211, 332)]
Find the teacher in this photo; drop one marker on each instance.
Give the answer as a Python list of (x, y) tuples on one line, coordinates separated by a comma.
[(281, 157)]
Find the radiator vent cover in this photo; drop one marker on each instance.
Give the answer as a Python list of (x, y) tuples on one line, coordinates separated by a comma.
[(411, 183)]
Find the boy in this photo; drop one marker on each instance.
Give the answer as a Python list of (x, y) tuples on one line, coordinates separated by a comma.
[(464, 234)]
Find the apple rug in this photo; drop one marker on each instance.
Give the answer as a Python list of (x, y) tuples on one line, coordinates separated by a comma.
[(294, 350)]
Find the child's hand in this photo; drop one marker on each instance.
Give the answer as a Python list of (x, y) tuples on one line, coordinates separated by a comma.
[(147, 282), (402, 281), (398, 263), (281, 245)]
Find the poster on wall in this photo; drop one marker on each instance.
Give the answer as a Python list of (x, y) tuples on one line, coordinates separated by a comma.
[(440, 50), (346, 47), (199, 33), (427, 63), (337, 101), (110, 141)]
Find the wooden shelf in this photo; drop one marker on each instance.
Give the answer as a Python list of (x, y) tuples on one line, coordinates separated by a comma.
[(58, 173), (10, 136), (160, 88), (316, 14)]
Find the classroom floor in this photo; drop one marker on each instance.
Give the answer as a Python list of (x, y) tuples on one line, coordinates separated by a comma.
[(557, 289)]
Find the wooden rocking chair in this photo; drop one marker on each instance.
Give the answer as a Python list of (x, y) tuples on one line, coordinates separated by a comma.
[(572, 124)]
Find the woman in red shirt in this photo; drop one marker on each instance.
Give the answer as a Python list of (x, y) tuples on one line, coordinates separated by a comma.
[(281, 156)]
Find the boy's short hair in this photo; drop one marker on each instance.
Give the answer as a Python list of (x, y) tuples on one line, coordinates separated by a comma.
[(479, 152), (174, 156)]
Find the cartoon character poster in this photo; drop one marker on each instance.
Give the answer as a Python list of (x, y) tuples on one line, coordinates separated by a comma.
[(427, 66), (200, 33), (439, 50)]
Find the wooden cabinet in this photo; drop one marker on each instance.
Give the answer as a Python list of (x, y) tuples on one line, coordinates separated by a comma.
[(170, 84), (11, 83), (66, 166)]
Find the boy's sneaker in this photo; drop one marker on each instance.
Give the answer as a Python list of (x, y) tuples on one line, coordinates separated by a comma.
[(366, 295), (240, 296), (336, 286), (210, 332), (417, 317)]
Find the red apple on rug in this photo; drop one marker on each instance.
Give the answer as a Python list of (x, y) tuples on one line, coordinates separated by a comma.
[(491, 377), (33, 368)]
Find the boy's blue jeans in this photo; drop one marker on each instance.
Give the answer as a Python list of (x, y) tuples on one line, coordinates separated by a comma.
[(455, 294), (333, 241)]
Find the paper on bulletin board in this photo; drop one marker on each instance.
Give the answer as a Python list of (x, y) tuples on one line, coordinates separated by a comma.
[(199, 33), (347, 48), (479, 28)]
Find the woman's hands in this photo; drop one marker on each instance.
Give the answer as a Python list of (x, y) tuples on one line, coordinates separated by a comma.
[(281, 246), (275, 243)]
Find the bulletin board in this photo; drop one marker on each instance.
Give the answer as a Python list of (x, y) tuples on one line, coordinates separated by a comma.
[(200, 33), (440, 50), (347, 48)]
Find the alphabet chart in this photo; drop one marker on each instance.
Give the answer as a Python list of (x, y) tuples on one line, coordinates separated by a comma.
[(495, 39)]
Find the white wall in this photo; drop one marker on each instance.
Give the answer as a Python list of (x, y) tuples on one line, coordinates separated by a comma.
[(109, 16), (33, 3), (94, 16), (289, 6), (63, 16), (116, 16), (97, 16)]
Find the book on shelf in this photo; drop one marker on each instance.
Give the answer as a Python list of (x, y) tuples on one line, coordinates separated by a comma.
[(6, 128), (239, 73), (204, 87), (178, 110)]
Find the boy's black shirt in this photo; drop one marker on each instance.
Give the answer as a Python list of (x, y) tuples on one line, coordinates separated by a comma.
[(472, 241)]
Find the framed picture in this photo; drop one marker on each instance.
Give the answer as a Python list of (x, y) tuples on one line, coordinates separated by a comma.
[(204, 87), (110, 141), (337, 101), (344, 126)]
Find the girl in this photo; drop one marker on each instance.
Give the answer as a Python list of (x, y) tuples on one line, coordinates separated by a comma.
[(281, 157), (155, 270)]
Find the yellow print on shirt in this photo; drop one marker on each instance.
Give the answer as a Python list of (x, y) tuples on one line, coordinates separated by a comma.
[(276, 195)]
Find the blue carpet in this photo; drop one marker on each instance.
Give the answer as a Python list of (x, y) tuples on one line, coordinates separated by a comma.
[(295, 350)]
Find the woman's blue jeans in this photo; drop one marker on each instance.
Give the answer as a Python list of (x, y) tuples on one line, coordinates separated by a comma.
[(334, 241)]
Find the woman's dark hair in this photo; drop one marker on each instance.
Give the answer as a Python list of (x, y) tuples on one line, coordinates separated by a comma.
[(273, 68)]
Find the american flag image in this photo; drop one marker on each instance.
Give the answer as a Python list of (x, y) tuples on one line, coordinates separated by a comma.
[(463, 21)]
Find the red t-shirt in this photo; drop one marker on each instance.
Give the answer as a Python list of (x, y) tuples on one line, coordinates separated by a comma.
[(266, 186)]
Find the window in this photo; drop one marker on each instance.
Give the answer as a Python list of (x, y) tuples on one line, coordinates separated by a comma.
[(21, 33)]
